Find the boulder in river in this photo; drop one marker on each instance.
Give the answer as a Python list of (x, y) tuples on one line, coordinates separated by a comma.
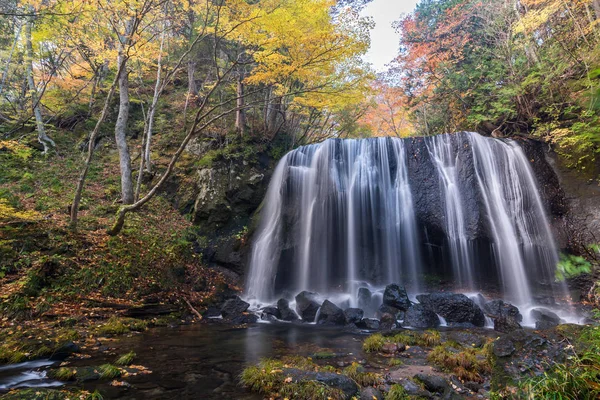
[(285, 312), (368, 323), (454, 307), (545, 319), (270, 313), (330, 314), (353, 315), (506, 324), (498, 308), (396, 296), (234, 307), (421, 317), (307, 305)]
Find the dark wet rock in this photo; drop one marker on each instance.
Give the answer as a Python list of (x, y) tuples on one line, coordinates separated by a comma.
[(64, 351), (467, 339), (337, 381), (286, 313), (368, 323), (547, 317), (506, 324), (212, 312), (245, 319), (506, 317), (433, 383), (385, 309), (269, 313), (498, 308), (307, 305), (330, 314), (503, 347), (353, 315), (364, 298), (370, 393), (543, 325), (455, 308), (412, 389), (421, 317), (387, 321), (396, 296), (534, 354), (234, 307)]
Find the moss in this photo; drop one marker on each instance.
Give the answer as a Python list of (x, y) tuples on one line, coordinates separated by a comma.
[(119, 326), (108, 371), (395, 362), (397, 392), (50, 394), (323, 355), (125, 359)]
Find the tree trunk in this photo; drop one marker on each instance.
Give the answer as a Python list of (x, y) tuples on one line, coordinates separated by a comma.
[(240, 114), (127, 195), (91, 146), (9, 60), (37, 111)]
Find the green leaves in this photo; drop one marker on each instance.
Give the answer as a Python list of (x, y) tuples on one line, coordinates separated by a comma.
[(570, 266)]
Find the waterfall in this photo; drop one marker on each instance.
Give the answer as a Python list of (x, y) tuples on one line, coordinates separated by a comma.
[(343, 213)]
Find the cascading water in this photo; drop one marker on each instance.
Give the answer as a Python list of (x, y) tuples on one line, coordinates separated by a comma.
[(388, 210)]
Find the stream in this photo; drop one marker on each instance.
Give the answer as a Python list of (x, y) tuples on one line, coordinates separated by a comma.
[(194, 361)]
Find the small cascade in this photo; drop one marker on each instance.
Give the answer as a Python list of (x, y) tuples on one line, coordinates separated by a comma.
[(343, 213)]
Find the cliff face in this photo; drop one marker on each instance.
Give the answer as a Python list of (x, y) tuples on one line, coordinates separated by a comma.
[(228, 186), (228, 191)]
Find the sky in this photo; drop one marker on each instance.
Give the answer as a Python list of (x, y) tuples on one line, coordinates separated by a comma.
[(384, 39)]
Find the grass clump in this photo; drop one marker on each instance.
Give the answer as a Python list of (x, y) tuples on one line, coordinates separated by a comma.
[(125, 359), (397, 392), (374, 343), (264, 378), (268, 378), (576, 379), (466, 364), (358, 373), (108, 371), (310, 390), (64, 374), (429, 338)]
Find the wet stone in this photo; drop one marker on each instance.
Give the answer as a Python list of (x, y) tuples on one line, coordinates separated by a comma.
[(353, 315), (503, 347), (433, 383), (307, 305), (396, 296)]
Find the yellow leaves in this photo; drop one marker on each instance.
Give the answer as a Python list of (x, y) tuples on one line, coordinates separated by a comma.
[(10, 214), (17, 149)]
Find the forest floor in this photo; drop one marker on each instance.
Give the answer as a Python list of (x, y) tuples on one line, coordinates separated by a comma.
[(58, 285)]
